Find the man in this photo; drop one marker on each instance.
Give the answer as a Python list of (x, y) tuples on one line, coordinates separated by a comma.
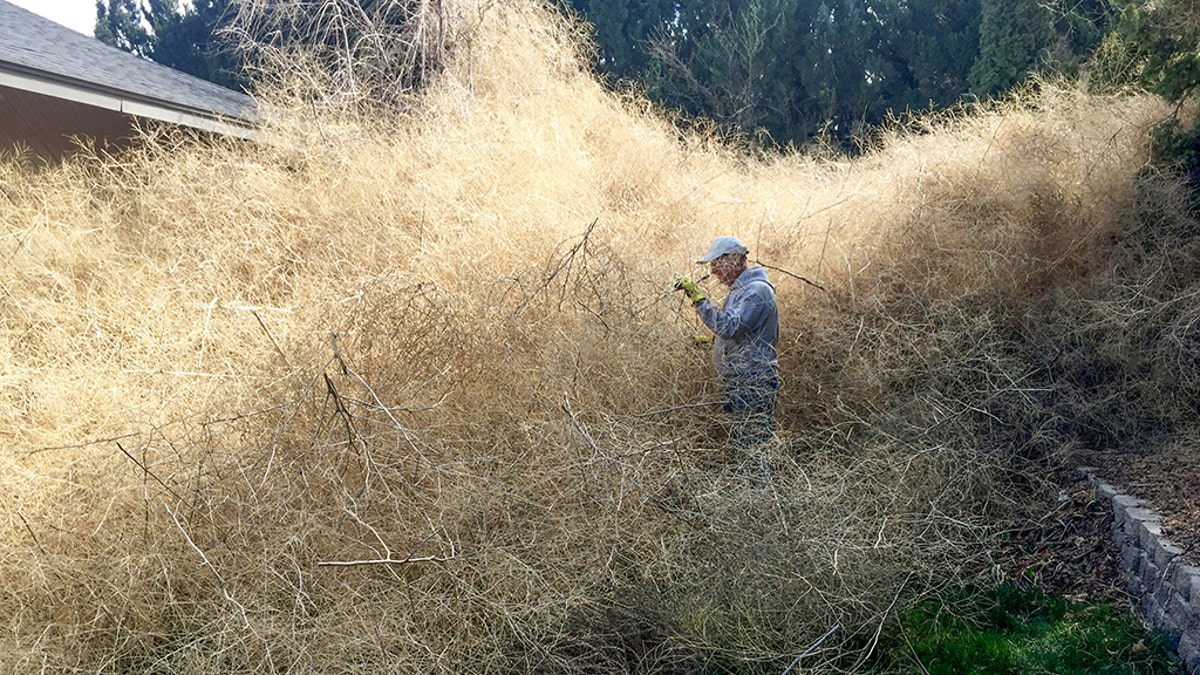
[(745, 332)]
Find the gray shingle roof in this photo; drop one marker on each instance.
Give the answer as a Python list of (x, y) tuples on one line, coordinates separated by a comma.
[(32, 46)]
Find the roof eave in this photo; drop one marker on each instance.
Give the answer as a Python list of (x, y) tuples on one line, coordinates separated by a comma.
[(18, 78)]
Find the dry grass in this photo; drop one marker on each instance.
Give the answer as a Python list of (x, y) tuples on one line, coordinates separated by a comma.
[(408, 394)]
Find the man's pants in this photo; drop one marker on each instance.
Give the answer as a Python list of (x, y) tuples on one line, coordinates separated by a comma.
[(750, 403)]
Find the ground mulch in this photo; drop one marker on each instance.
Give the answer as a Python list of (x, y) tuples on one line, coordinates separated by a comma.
[(1069, 550), (1166, 477)]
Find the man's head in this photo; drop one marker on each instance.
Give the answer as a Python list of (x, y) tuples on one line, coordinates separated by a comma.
[(728, 258)]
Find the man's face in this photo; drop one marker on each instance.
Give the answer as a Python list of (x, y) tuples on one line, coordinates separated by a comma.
[(729, 267)]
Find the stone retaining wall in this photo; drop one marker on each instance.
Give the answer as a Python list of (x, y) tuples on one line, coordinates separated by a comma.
[(1156, 572)]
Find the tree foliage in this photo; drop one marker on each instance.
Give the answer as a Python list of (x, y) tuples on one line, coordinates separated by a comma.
[(120, 23), (1015, 37), (623, 28), (778, 71), (787, 70), (194, 39), (1153, 44)]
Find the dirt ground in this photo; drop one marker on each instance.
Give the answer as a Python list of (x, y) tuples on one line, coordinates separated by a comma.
[(1167, 477), (1069, 550)]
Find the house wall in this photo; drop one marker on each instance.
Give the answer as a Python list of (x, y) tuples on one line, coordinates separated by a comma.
[(44, 125)]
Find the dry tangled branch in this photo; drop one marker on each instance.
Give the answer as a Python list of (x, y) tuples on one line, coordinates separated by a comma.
[(368, 54), (417, 397)]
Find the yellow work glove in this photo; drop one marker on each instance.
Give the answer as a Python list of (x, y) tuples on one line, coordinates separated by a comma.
[(691, 288)]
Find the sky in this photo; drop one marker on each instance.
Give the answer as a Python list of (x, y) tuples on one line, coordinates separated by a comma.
[(78, 15)]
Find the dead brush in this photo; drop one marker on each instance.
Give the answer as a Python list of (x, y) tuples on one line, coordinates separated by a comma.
[(371, 54), (405, 393)]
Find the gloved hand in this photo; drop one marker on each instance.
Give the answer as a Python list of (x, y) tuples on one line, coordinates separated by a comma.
[(691, 288), (702, 340)]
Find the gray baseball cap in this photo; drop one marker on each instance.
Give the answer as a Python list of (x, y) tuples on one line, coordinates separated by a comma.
[(722, 246)]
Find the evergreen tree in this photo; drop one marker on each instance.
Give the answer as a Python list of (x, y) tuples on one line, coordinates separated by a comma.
[(931, 47), (857, 74), (1153, 44), (740, 63), (797, 68), (1081, 25), (190, 40), (622, 30), (1014, 39), (120, 23)]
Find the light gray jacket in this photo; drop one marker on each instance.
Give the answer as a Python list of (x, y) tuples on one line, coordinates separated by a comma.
[(746, 329)]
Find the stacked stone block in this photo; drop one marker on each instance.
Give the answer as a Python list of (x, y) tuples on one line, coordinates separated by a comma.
[(1157, 573)]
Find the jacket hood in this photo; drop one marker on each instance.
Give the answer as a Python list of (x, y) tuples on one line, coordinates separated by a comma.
[(751, 275)]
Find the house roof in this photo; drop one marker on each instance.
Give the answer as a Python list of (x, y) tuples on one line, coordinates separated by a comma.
[(39, 56)]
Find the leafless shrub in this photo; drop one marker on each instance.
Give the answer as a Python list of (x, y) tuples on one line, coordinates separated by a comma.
[(350, 54), (417, 395)]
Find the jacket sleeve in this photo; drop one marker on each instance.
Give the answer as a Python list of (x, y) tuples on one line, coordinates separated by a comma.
[(743, 311)]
